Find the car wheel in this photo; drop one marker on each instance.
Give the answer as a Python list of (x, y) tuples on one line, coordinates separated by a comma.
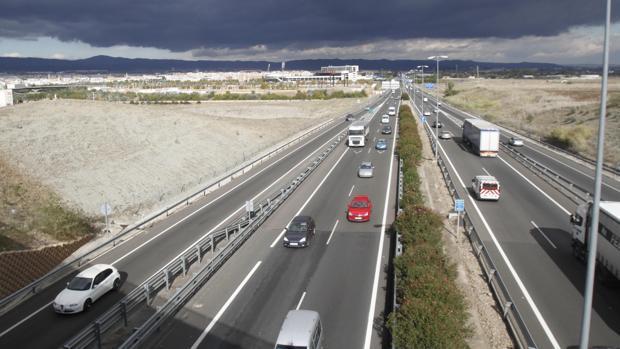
[(117, 284), (87, 305)]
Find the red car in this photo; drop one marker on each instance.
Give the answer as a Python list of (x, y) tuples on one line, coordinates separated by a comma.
[(359, 209)]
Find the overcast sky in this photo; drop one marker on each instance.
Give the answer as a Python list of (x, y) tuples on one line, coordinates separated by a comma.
[(555, 31)]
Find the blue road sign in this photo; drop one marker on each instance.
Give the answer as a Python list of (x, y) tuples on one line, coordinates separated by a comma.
[(459, 205), (423, 119), (429, 85)]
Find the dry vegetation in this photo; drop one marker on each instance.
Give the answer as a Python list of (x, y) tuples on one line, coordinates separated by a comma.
[(562, 112), (61, 159)]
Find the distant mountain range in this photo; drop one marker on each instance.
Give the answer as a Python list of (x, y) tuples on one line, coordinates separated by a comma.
[(106, 64)]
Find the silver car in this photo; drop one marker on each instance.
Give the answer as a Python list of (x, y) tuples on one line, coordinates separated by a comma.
[(365, 170), (516, 142)]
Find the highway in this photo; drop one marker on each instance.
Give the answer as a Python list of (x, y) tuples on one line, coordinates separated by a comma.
[(339, 276), (527, 233), (145, 253)]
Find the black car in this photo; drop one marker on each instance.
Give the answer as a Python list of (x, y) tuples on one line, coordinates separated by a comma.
[(386, 130), (437, 124), (300, 232), (349, 117)]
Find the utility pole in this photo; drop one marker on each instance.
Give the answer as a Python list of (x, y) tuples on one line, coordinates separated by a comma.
[(592, 241)]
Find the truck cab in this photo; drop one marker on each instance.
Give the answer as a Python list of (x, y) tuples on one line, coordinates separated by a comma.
[(486, 188)]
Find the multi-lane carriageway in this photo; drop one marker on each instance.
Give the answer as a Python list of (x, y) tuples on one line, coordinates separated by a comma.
[(341, 275), (527, 233)]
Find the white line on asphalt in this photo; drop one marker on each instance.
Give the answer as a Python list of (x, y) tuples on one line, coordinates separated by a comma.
[(24, 319), (543, 234), (310, 197), (369, 149), (301, 300), (485, 171), (536, 187), (520, 284), (225, 306), (332, 233), (375, 282), (232, 214), (350, 192)]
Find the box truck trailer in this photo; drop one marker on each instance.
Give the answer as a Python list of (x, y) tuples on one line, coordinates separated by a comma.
[(482, 136)]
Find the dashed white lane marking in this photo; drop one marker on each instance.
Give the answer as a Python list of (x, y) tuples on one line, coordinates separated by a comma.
[(543, 234), (332, 233), (225, 306), (351, 191), (303, 295)]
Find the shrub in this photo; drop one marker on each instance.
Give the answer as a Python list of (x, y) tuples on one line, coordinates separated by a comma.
[(432, 311)]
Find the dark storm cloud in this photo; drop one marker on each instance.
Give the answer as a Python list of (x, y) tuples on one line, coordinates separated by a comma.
[(180, 25)]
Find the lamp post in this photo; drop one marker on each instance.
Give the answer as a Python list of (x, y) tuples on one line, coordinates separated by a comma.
[(437, 58), (592, 240), (422, 66), (414, 72)]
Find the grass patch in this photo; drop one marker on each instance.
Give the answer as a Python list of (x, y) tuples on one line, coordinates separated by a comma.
[(432, 311), (574, 138)]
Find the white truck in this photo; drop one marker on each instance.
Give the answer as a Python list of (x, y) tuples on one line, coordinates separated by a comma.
[(482, 136), (357, 135), (608, 242), (392, 111)]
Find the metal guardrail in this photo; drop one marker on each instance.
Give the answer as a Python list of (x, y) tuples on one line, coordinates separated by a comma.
[(144, 293), (398, 246), (538, 139), (41, 283), (572, 191), (510, 313)]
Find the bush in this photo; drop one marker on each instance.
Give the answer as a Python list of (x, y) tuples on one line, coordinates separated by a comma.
[(450, 91), (432, 311)]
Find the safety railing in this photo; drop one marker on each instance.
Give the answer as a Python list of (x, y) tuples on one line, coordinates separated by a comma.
[(56, 274), (510, 313), (92, 334), (569, 189)]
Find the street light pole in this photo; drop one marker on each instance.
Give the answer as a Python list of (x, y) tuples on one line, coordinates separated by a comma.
[(422, 85), (437, 58), (592, 241)]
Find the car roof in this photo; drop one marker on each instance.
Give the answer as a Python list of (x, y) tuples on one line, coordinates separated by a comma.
[(91, 272), (366, 163), (297, 327), (486, 178)]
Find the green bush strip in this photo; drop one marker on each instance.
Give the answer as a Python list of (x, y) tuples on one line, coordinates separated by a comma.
[(432, 312)]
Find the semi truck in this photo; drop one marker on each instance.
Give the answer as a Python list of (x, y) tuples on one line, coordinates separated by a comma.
[(608, 242), (482, 136), (357, 134)]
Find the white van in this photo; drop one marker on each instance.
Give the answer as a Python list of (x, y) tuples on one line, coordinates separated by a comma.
[(385, 119), (301, 329), (486, 187)]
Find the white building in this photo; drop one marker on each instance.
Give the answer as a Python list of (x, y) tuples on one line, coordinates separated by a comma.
[(6, 97), (345, 72)]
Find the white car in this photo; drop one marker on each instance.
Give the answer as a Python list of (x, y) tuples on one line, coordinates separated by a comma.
[(516, 142), (427, 113), (445, 135), (385, 119), (86, 287)]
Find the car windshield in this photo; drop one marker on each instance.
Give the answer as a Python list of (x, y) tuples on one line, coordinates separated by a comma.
[(366, 166), (359, 204), (356, 132), (80, 284)]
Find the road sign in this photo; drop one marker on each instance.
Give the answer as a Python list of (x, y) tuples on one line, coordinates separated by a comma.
[(423, 119), (459, 205), (105, 209), (429, 85), (249, 206)]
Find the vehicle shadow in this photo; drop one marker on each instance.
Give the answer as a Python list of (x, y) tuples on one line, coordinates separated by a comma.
[(605, 300)]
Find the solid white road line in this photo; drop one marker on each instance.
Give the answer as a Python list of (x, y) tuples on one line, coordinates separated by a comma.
[(536, 187), (310, 197), (332, 233), (25, 319), (225, 306), (513, 272), (543, 234), (375, 287), (350, 192), (300, 300), (485, 171)]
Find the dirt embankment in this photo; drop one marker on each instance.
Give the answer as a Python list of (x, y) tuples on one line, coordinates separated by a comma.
[(564, 112), (136, 157)]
